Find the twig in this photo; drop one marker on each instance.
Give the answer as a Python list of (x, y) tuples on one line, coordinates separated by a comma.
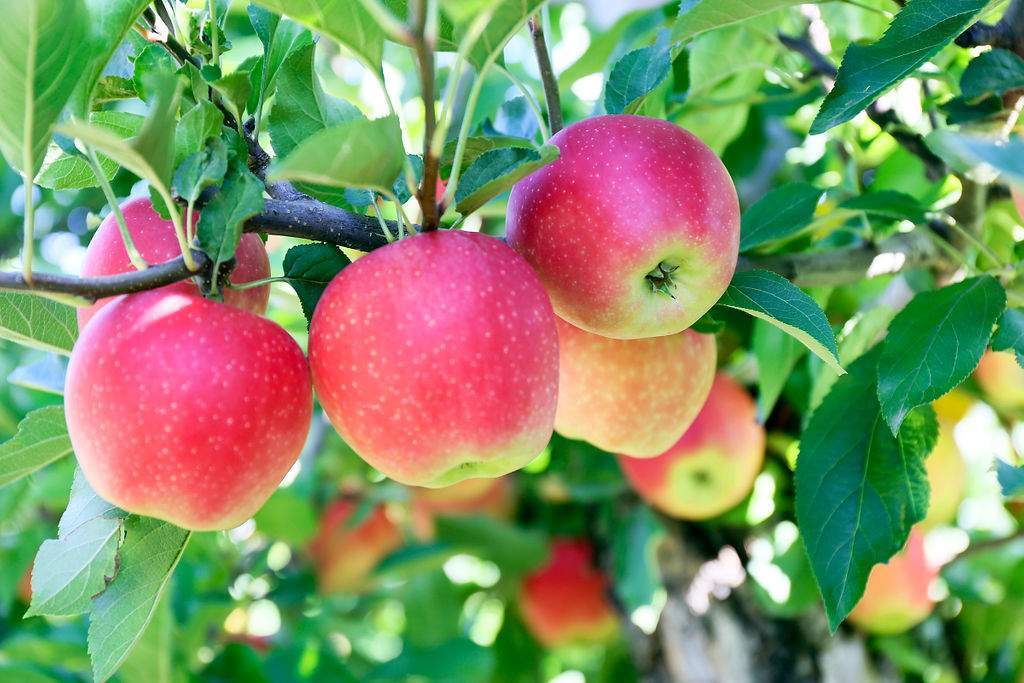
[(547, 75), (990, 544), (424, 48)]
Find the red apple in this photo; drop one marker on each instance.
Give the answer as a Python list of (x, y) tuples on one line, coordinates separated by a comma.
[(565, 601), (155, 239), (345, 551), (1002, 379), (436, 358), (713, 466), (631, 396), (634, 230), (186, 409), (896, 597), (470, 497)]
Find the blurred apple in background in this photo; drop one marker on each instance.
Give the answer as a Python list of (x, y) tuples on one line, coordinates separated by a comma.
[(346, 549), (631, 396), (565, 602), (713, 466), (470, 497), (1002, 379), (896, 598), (945, 466)]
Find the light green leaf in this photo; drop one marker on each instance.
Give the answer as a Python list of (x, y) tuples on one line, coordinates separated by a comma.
[(935, 343), (358, 153), (781, 213), (859, 489), (697, 16), (220, 224), (773, 298), (497, 171), (42, 438), (42, 56), (109, 22), (918, 32), (201, 170), (31, 320), (867, 328), (63, 171), (776, 353), (150, 661), (508, 17), (888, 204), (200, 123), (121, 613), (342, 20), (637, 74), (990, 157)]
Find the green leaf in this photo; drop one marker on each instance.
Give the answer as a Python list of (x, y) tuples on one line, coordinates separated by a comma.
[(935, 343), (775, 299), (42, 438), (46, 374), (109, 22), (1009, 335), (73, 171), (31, 320), (301, 108), (309, 269), (634, 558), (993, 157), (637, 74), (918, 32), (201, 170), (478, 145), (151, 65), (359, 153), (889, 204), (496, 171), (220, 224), (78, 564), (1010, 478), (287, 516), (508, 17), (868, 326), (776, 353), (121, 613), (455, 660), (280, 38), (516, 551), (42, 56), (995, 71), (782, 212), (342, 20), (234, 89), (697, 16), (197, 125), (150, 661), (112, 89), (859, 489)]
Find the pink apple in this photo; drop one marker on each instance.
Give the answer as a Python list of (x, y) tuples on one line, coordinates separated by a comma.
[(186, 409), (1002, 379), (896, 597), (155, 239), (631, 396), (634, 230), (436, 358), (345, 553), (713, 466)]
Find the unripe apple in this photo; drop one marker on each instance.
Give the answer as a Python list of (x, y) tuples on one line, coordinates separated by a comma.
[(155, 239), (565, 602), (469, 497), (631, 396), (896, 597), (345, 551), (634, 230), (1002, 380), (713, 466), (186, 409), (436, 358)]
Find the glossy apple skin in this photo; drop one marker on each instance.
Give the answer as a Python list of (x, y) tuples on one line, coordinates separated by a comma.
[(631, 396), (627, 194), (713, 466), (565, 601), (1002, 380), (470, 497), (344, 555), (186, 409), (896, 597), (155, 239), (436, 358)]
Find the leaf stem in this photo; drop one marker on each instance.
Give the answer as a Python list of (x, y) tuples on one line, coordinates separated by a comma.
[(134, 256)]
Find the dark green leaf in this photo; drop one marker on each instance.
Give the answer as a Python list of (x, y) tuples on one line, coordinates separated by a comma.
[(153, 62), (31, 320), (782, 212), (201, 170), (346, 22), (496, 171), (309, 269), (889, 204), (455, 660), (776, 353), (1009, 335), (220, 224), (634, 549), (516, 551), (918, 32), (475, 146), (935, 343), (112, 89), (508, 17), (637, 74), (42, 438), (995, 71)]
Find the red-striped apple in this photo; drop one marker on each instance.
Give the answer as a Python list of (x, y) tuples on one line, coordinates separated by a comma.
[(634, 230), (345, 551)]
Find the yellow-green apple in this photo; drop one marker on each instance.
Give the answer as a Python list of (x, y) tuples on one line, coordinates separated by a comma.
[(896, 597), (1002, 380), (945, 466), (488, 497), (565, 602), (634, 230), (631, 396), (713, 466), (155, 239), (186, 409), (436, 358), (346, 551)]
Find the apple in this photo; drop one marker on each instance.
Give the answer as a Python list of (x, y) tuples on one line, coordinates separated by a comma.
[(713, 466), (470, 497), (634, 230), (345, 551), (565, 602), (436, 358), (896, 597), (945, 466), (631, 396), (1018, 200), (186, 409), (1002, 380), (155, 239)]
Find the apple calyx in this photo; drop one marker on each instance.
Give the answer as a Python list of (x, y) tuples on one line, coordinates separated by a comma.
[(661, 279)]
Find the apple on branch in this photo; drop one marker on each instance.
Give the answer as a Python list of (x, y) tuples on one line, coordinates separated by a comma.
[(896, 597)]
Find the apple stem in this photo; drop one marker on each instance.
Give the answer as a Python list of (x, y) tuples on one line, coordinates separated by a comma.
[(661, 279), (547, 75)]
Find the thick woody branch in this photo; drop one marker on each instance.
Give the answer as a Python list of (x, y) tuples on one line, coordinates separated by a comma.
[(547, 75), (314, 220)]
